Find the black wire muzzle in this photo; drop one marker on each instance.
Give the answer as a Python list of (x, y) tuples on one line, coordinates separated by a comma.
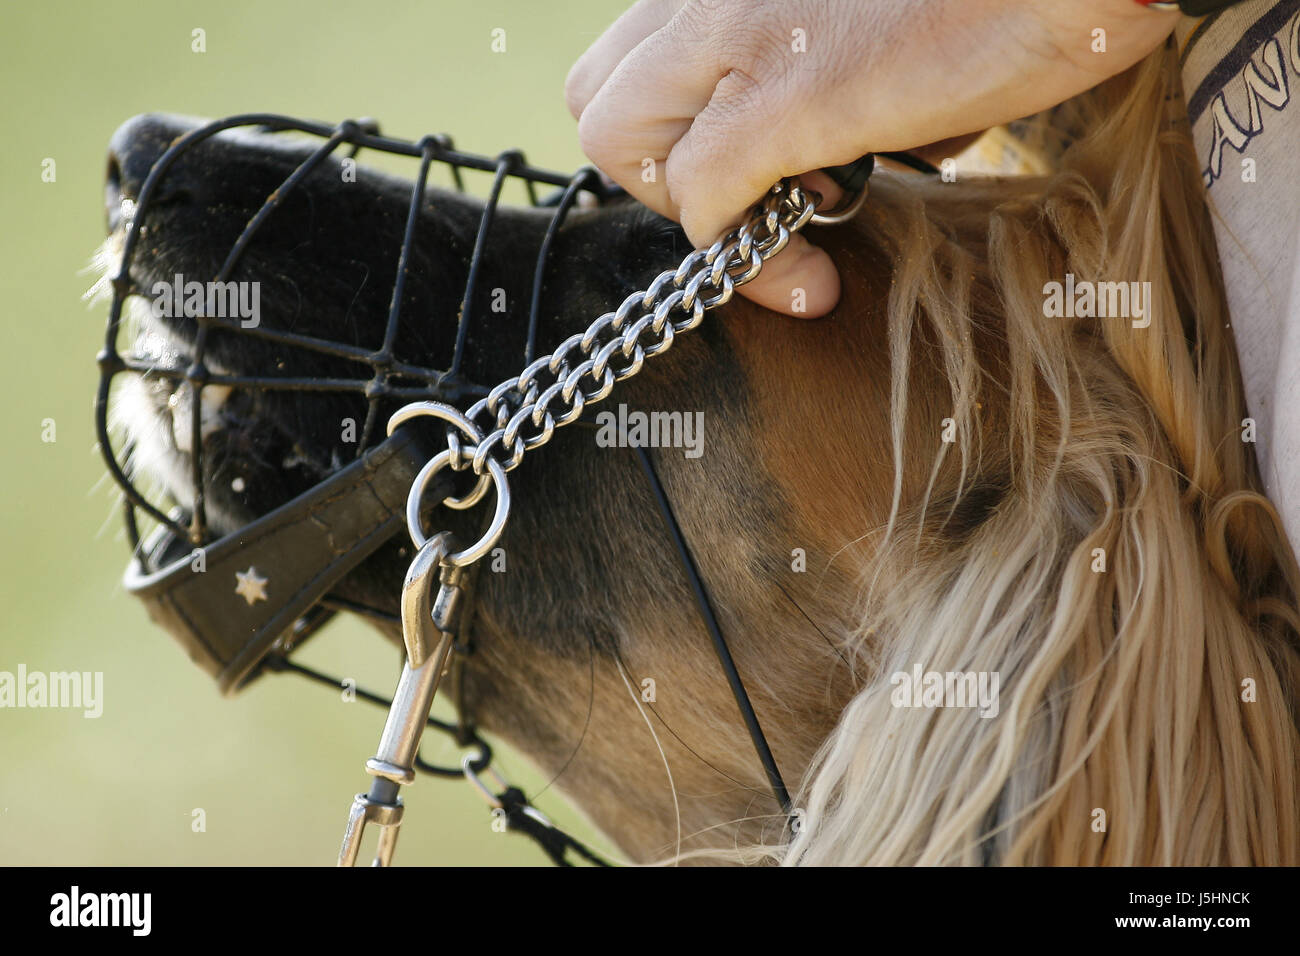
[(315, 539)]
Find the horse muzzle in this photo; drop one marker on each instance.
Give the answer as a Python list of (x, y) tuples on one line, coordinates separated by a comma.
[(233, 600)]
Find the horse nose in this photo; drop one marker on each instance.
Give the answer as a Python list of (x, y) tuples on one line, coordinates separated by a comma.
[(133, 150)]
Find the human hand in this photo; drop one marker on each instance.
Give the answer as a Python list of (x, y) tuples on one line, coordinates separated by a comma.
[(696, 107)]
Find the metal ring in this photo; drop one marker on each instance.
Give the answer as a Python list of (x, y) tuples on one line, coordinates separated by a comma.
[(452, 416), (440, 410), (848, 207), (484, 544), (467, 769)]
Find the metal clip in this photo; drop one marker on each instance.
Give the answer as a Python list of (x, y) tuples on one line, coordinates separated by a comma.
[(399, 745), (422, 615), (365, 809)]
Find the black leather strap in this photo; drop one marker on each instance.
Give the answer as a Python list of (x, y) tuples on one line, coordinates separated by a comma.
[(301, 549), (852, 177), (1193, 8), (555, 843), (705, 605)]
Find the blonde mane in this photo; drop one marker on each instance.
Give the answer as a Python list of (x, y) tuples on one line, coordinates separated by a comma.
[(1126, 579)]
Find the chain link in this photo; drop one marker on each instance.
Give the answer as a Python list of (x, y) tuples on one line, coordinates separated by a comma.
[(523, 412)]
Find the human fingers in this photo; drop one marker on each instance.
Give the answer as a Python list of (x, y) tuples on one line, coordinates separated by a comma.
[(593, 68)]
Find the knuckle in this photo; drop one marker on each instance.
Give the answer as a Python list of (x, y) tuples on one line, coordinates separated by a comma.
[(689, 193), (741, 29), (764, 36), (591, 137), (740, 93), (681, 179), (576, 89), (678, 177), (706, 13)]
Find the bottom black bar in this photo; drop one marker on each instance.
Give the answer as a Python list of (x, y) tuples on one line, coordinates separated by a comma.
[(405, 904)]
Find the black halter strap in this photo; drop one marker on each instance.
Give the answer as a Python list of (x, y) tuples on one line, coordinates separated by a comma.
[(720, 647)]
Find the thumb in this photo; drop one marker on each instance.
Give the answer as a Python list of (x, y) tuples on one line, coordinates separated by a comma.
[(800, 281), (733, 152)]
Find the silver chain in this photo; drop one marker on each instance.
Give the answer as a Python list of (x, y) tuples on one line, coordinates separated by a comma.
[(521, 413)]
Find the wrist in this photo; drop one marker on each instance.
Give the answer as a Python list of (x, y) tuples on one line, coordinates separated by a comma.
[(1104, 37)]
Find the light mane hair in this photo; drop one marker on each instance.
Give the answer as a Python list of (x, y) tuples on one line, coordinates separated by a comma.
[(1148, 712)]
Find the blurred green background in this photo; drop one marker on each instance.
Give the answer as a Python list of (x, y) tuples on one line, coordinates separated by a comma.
[(275, 769)]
